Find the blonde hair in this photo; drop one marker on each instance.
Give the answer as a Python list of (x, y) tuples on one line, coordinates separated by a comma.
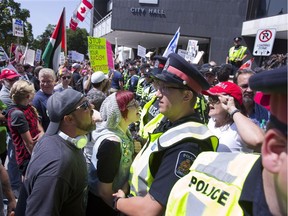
[(47, 72), (20, 89)]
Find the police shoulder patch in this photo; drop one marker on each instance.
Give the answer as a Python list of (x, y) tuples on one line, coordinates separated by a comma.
[(183, 163)]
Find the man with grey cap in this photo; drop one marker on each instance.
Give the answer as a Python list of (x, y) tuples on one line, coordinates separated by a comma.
[(238, 183), (56, 177), (173, 145)]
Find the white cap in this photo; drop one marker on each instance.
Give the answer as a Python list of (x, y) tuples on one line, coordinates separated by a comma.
[(98, 77)]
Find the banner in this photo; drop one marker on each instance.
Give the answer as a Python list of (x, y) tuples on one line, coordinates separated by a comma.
[(38, 55), (98, 54), (109, 55), (30, 57), (3, 54), (141, 51)]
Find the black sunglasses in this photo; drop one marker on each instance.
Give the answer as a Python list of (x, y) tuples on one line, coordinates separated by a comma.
[(66, 77), (85, 105)]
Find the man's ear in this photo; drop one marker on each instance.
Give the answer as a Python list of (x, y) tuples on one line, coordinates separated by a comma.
[(273, 149), (188, 95), (68, 119)]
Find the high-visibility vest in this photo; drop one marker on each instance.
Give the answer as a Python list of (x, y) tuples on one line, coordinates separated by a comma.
[(141, 177), (139, 88), (145, 129), (213, 186), (236, 54), (127, 85)]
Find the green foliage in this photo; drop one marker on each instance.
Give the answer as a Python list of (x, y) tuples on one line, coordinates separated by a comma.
[(77, 40), (10, 9)]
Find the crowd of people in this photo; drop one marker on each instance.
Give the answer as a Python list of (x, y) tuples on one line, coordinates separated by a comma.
[(155, 137)]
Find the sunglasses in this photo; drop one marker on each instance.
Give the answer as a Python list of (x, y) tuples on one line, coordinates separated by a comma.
[(66, 77), (85, 105), (213, 100)]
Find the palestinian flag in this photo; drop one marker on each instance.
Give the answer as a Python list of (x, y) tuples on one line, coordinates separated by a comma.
[(56, 45)]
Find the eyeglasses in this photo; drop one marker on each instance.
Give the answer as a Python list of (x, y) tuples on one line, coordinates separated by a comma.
[(133, 103), (213, 100), (66, 77), (85, 105), (165, 88)]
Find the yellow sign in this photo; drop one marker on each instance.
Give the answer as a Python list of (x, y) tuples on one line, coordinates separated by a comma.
[(98, 54)]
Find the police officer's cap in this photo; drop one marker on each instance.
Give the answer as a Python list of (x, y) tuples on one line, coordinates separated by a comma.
[(236, 39), (178, 70), (159, 64), (270, 81)]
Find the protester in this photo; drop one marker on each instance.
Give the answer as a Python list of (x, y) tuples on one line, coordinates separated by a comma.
[(6, 190), (35, 78), (117, 79), (9, 77), (23, 122), (132, 81), (47, 80), (113, 151), (56, 178), (65, 78), (237, 183), (174, 144), (77, 81), (256, 112), (229, 122)]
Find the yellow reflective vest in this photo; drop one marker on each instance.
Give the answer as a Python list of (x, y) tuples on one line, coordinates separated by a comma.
[(213, 186), (140, 175), (236, 54)]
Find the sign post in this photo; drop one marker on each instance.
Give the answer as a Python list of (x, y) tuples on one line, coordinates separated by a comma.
[(264, 42)]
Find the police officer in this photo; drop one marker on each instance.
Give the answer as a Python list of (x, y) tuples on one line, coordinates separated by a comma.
[(236, 54), (222, 184), (174, 144)]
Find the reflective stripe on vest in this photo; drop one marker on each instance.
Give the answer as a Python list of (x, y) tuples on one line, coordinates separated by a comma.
[(140, 175), (213, 186), (236, 54)]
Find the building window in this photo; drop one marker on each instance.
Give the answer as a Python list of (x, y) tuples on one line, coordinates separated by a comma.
[(266, 8)]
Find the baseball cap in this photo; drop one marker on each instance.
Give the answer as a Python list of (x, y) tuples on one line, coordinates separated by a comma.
[(178, 70), (207, 69), (60, 104), (7, 73), (98, 77), (228, 88), (75, 66)]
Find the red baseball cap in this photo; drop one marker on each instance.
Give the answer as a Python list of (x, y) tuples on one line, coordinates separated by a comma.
[(228, 88), (7, 73)]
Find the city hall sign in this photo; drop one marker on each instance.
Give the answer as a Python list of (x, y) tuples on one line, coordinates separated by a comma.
[(143, 11)]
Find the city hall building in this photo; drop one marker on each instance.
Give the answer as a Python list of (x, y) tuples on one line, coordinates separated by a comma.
[(213, 23)]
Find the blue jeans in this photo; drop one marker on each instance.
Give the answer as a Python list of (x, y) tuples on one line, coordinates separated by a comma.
[(12, 169)]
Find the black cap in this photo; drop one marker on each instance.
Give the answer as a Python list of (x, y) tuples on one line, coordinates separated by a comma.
[(207, 68), (271, 81), (159, 64), (178, 70), (236, 39), (60, 104)]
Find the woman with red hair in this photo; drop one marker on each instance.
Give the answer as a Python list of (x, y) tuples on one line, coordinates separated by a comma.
[(112, 152)]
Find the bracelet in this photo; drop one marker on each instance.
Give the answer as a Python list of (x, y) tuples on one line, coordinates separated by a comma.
[(233, 112), (115, 203)]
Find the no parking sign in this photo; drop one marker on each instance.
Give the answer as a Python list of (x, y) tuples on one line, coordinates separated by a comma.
[(264, 42)]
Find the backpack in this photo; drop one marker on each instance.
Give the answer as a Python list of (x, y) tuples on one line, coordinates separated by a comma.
[(79, 85)]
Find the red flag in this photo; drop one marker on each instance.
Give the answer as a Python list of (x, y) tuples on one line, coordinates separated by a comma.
[(247, 64), (84, 7), (56, 45), (73, 24)]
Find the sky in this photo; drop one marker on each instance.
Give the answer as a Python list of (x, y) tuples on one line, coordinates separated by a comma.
[(44, 12)]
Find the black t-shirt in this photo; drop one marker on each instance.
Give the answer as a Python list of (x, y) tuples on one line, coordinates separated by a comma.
[(56, 180)]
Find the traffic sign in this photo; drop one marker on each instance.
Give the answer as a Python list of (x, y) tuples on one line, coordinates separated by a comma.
[(264, 42)]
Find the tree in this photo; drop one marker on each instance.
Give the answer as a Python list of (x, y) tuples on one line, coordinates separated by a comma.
[(77, 40), (9, 10)]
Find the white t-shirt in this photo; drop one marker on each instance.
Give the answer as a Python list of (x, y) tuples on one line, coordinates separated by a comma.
[(229, 139)]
